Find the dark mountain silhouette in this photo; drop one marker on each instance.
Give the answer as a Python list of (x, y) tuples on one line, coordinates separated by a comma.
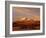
[(26, 24)]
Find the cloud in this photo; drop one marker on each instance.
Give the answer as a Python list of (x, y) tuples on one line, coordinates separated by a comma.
[(19, 12)]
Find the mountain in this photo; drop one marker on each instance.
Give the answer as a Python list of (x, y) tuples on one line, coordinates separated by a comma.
[(27, 24), (36, 18)]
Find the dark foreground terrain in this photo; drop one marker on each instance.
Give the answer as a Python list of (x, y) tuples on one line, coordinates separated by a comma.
[(26, 25)]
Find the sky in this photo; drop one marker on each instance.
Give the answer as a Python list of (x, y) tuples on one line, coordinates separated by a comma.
[(20, 12)]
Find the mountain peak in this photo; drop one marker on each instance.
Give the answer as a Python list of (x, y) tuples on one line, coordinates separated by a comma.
[(24, 18)]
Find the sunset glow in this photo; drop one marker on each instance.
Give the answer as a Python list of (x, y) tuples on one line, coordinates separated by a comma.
[(26, 18)]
